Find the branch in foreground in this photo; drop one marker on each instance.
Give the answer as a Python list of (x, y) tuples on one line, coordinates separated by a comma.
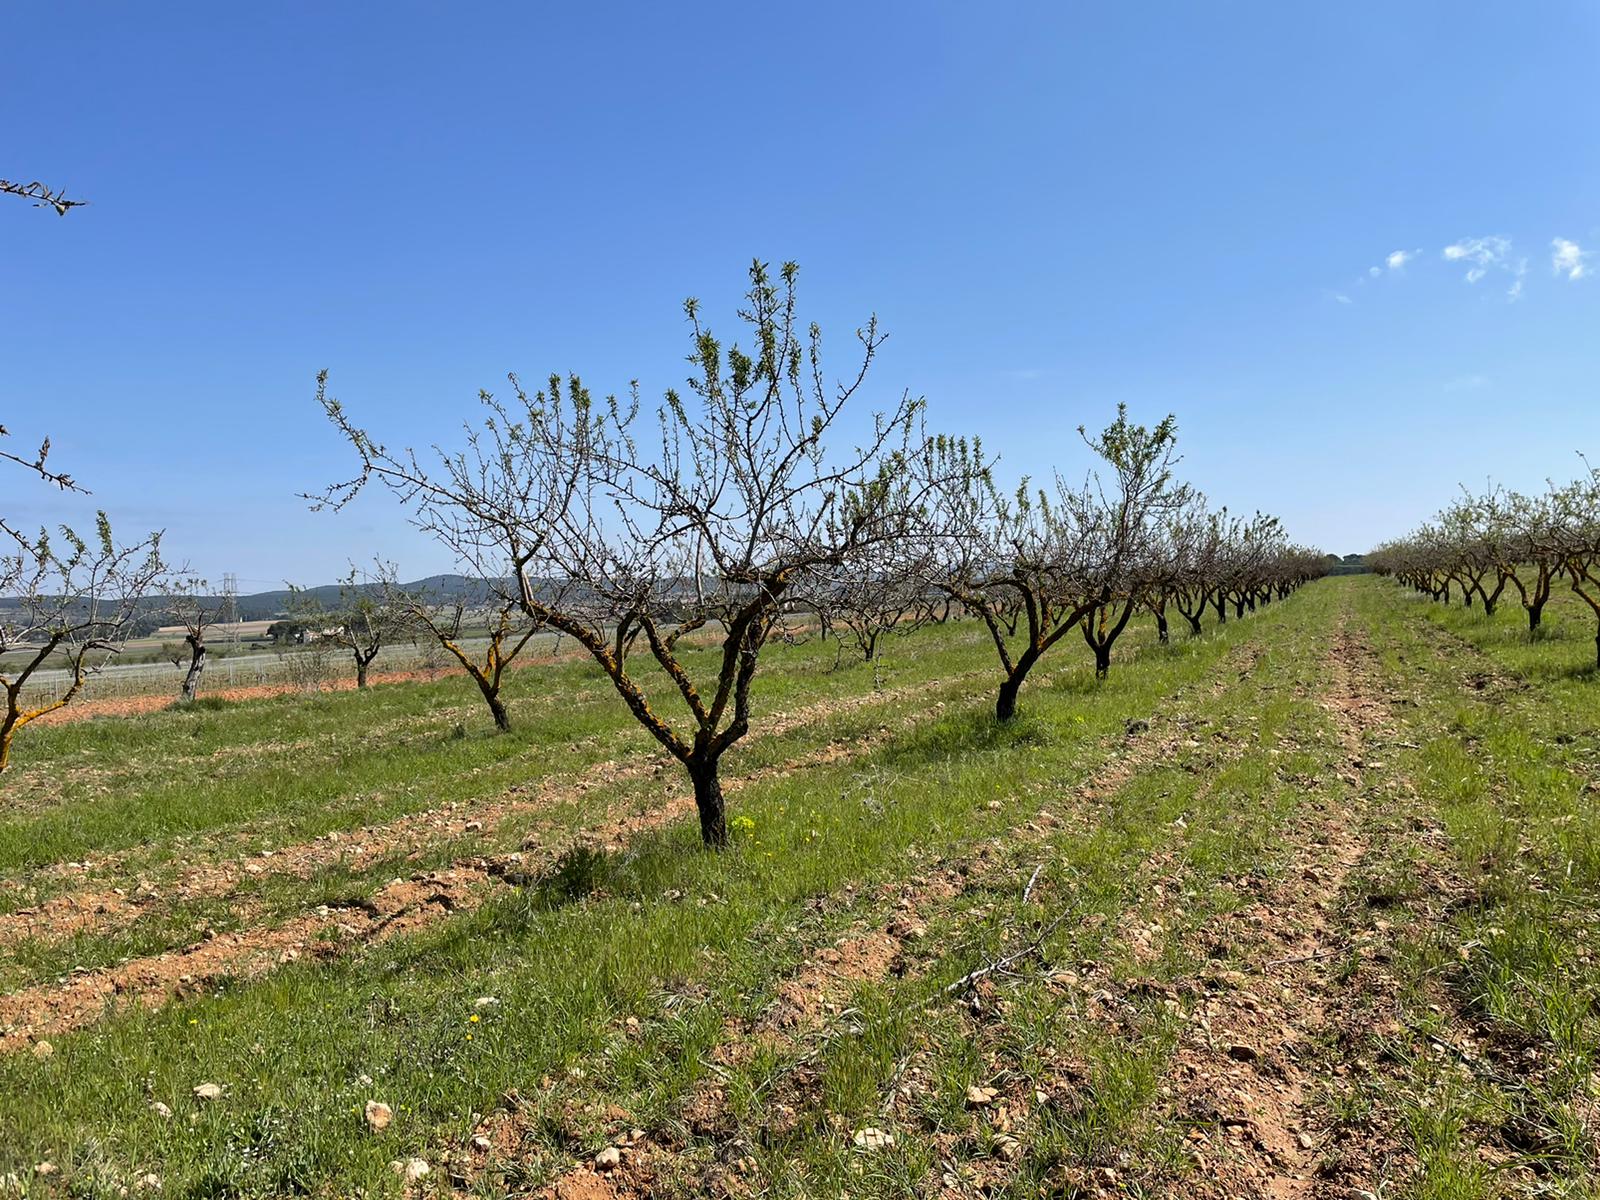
[(41, 195)]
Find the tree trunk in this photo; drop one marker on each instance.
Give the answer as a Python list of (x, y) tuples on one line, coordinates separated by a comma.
[(709, 803), (1161, 628), (6, 730), (191, 681), (1194, 625), (1005, 705), (1535, 615), (1102, 661), (502, 718), (361, 672)]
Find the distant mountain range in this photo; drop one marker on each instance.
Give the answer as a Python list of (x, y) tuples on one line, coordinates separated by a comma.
[(263, 606)]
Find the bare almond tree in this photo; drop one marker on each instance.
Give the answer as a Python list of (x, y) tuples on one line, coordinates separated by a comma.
[(736, 513), (196, 612), (1123, 514), (64, 600), (1006, 559), (68, 601), (506, 633), (362, 623), (1482, 543)]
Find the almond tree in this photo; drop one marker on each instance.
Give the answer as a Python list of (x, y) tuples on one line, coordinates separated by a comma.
[(1123, 518), (877, 596), (70, 601), (1500, 536), (1008, 560), (507, 632), (1035, 565), (1576, 519), (191, 607), (741, 509), (63, 598), (1196, 538), (362, 624), (1529, 553)]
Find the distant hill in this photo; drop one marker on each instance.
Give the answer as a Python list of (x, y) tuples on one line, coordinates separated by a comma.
[(266, 606), (263, 606)]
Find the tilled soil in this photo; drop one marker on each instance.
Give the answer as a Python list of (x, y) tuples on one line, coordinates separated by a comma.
[(401, 906)]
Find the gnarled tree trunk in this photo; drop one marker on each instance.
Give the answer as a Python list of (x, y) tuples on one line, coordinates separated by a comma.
[(197, 665), (709, 803)]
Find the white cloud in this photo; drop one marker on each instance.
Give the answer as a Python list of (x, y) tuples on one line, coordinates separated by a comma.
[(1514, 292), (1374, 271), (1399, 258), (1567, 258), (1342, 298), (1482, 253)]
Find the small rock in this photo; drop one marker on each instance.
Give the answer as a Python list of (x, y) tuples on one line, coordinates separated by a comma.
[(482, 1144), (1007, 1147), (253, 868), (978, 1097), (873, 1139), (150, 1182), (208, 1091), (160, 1109), (1242, 1053), (1135, 726), (473, 827), (46, 1169), (608, 1159), (43, 1050), (409, 1169), (378, 1115), (993, 806), (485, 1002), (1304, 1140)]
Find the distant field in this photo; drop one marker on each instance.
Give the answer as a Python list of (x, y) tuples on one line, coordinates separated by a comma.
[(140, 670), (1307, 906)]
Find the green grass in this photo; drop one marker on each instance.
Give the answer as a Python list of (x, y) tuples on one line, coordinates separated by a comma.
[(1500, 965)]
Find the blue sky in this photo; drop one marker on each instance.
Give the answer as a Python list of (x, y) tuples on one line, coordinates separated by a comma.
[(1051, 207)]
